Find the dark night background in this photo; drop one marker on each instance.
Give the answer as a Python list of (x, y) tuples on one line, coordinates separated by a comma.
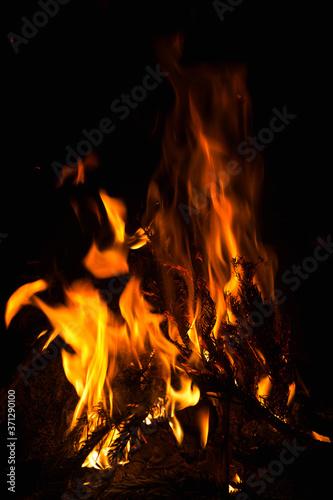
[(65, 79)]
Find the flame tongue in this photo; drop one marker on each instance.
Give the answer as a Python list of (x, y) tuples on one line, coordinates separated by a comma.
[(21, 297), (113, 260)]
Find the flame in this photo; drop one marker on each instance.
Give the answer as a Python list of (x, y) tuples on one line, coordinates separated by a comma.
[(186, 396), (99, 337), (203, 420), (235, 480), (22, 296), (112, 261), (292, 391), (264, 388), (214, 187), (319, 437), (78, 172), (204, 187)]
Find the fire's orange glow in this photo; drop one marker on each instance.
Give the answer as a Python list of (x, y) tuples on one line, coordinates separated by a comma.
[(213, 189), (80, 172), (99, 337), (264, 387), (178, 400), (292, 390), (203, 420), (236, 480), (22, 296), (319, 437), (113, 260)]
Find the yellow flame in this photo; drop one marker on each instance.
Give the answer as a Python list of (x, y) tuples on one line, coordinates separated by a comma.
[(178, 400)]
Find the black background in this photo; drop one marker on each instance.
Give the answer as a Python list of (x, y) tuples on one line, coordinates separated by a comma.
[(65, 79)]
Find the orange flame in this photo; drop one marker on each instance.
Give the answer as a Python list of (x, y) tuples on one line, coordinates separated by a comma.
[(78, 173), (292, 391), (319, 437), (214, 190), (203, 419), (264, 388), (22, 296), (113, 260), (236, 480)]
